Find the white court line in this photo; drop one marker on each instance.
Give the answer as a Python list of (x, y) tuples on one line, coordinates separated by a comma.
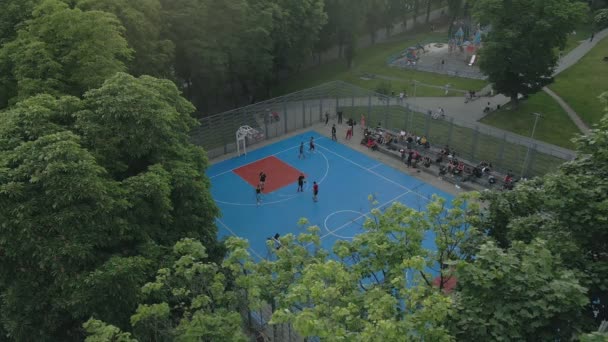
[(285, 150), (287, 197), (373, 172), (231, 232), (360, 216), (373, 167)]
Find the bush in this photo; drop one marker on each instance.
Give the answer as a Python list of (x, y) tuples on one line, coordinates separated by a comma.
[(384, 88), (601, 19)]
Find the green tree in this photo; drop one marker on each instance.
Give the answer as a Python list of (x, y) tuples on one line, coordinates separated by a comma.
[(65, 51), (91, 192), (143, 24), (375, 17), (600, 20), (379, 287), (190, 300), (522, 294), (219, 43), (568, 209), (13, 14), (295, 32), (519, 53)]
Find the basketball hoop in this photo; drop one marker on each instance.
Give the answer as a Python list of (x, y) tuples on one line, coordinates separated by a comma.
[(244, 133)]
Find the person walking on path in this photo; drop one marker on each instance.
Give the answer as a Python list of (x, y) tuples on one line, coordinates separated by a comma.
[(592, 36), (349, 133), (258, 195), (301, 155), (326, 118), (315, 191), (262, 180), (340, 117), (333, 133), (301, 181), (311, 147)]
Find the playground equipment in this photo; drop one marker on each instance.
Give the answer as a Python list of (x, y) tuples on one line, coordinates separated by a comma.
[(245, 133), (462, 43)]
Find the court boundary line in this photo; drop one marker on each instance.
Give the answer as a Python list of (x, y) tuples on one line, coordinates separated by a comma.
[(375, 173), (375, 166), (365, 214), (272, 155), (234, 234)]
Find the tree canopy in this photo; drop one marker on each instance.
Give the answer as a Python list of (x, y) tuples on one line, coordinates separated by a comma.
[(91, 192), (519, 53), (61, 50)]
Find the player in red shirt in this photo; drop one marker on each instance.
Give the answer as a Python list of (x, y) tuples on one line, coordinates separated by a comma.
[(315, 191)]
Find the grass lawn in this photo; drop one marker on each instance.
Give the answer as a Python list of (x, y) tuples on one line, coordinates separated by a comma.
[(372, 60), (581, 84), (469, 144), (554, 127)]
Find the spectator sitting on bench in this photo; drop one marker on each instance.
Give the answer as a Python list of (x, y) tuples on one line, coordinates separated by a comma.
[(424, 142), (427, 162), (415, 158), (418, 140), (409, 140), (459, 169), (371, 143), (402, 151), (446, 150), (477, 172), (451, 166)]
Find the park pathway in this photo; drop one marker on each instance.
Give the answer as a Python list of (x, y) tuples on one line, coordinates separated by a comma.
[(567, 61), (473, 111)]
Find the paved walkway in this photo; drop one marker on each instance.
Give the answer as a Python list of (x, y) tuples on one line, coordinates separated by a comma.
[(473, 111), (582, 126)]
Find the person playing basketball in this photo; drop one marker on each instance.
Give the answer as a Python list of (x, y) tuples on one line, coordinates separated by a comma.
[(301, 155), (258, 195), (315, 191), (311, 147), (301, 181), (262, 180)]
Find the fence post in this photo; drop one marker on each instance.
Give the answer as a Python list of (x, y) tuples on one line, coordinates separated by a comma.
[(475, 140), (224, 135), (337, 105), (427, 124), (310, 115), (450, 131), (388, 106), (530, 161), (285, 111), (369, 108), (303, 114), (501, 152), (320, 110)]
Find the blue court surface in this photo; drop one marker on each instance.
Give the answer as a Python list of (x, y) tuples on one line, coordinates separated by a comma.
[(346, 180)]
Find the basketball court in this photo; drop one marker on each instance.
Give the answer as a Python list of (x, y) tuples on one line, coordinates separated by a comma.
[(347, 180)]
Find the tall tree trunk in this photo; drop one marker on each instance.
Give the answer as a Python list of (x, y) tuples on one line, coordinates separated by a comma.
[(428, 11), (515, 100), (415, 17)]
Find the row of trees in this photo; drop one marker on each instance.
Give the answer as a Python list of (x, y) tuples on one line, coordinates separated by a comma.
[(209, 48), (530, 266)]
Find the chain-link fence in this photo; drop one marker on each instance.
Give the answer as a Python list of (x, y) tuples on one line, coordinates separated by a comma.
[(473, 142)]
